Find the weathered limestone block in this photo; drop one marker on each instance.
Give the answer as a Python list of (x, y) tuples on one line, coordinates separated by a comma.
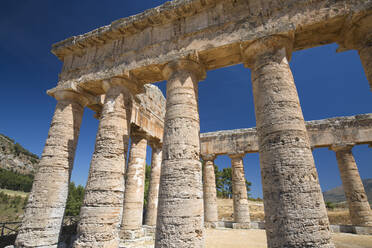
[(180, 213), (209, 191), (134, 185), (356, 197), (358, 36), (153, 196), (295, 212), (44, 212), (239, 188), (101, 212), (148, 112)]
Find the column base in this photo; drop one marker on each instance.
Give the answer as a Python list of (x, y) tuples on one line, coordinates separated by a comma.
[(132, 234), (360, 230), (241, 225), (211, 224), (143, 237)]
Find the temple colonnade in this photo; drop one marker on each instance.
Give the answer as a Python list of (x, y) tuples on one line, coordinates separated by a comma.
[(179, 42)]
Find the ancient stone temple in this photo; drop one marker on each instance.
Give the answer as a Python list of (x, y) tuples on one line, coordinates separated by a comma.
[(110, 70)]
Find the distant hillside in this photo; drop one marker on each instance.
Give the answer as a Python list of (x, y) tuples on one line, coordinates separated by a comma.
[(16, 158), (337, 194)]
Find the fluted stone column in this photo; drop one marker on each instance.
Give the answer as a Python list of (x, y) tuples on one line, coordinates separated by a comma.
[(131, 225), (295, 213), (153, 196), (180, 214), (45, 209), (356, 197), (100, 214), (358, 36), (210, 192), (240, 196)]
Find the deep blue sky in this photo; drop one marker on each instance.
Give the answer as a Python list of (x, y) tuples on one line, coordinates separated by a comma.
[(329, 84)]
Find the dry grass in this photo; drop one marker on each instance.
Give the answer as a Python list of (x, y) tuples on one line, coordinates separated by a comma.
[(339, 216), (14, 193)]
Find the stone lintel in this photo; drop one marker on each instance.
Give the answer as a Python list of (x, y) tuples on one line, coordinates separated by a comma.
[(236, 155), (322, 133), (357, 33)]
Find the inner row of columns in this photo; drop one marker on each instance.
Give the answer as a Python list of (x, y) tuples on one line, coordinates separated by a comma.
[(295, 213), (356, 197)]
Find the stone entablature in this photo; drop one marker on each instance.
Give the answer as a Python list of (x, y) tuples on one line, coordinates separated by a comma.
[(214, 31), (322, 133), (147, 114)]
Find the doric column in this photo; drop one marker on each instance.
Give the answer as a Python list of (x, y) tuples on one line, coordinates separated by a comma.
[(295, 213), (210, 191), (152, 200), (180, 212), (100, 214), (239, 188), (358, 36), (134, 187), (356, 197), (46, 205)]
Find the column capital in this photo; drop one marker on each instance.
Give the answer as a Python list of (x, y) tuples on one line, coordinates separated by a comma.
[(129, 85), (186, 65), (356, 34), (267, 44), (342, 147), (63, 95), (236, 155), (135, 134), (155, 144), (208, 157)]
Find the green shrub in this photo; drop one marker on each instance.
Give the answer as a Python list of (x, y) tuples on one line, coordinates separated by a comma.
[(330, 205)]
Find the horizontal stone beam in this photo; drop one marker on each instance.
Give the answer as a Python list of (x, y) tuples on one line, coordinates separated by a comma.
[(210, 31), (322, 133)]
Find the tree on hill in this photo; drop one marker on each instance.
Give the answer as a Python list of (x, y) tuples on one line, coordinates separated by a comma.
[(74, 200), (15, 181), (224, 182)]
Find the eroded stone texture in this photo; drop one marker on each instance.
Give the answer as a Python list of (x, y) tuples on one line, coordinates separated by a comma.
[(356, 197), (134, 185), (46, 205), (180, 214), (240, 196), (101, 212), (209, 191), (153, 196), (295, 214)]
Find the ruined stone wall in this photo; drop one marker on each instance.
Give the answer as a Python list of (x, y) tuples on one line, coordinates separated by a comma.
[(322, 133), (148, 112)]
